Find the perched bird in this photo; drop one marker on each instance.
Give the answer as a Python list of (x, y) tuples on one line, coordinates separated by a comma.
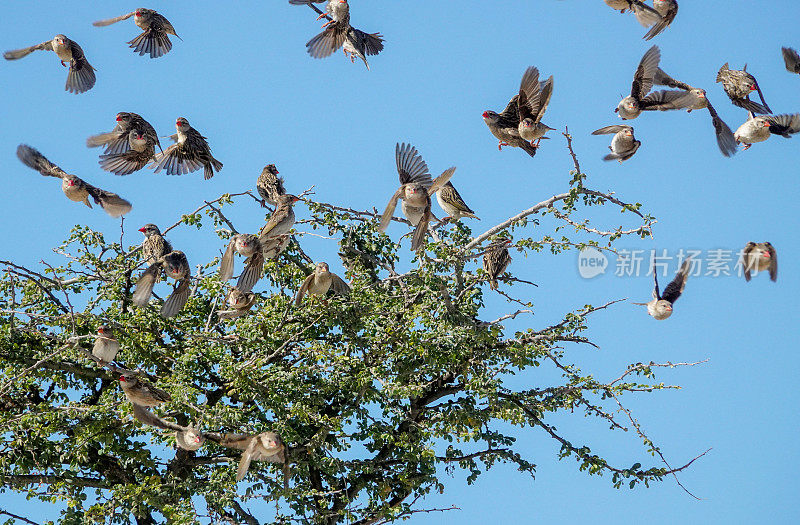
[(758, 257), (142, 151), (174, 265), (105, 345), (534, 96), (738, 84), (668, 9), (496, 260), (415, 190), (154, 245), (452, 203), (189, 153), (239, 304), (759, 128), (155, 28), (505, 126), (358, 44), (281, 220), (660, 307), (81, 76), (645, 14), (267, 446), (246, 245), (691, 98), (269, 185), (319, 282), (632, 106), (187, 438), (75, 188), (623, 144), (140, 393), (792, 59), (118, 139)]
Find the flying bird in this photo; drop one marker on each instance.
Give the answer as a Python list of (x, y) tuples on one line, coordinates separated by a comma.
[(452, 203), (118, 139), (758, 257), (645, 14), (81, 76), (623, 144), (505, 126), (792, 59), (668, 9), (155, 28), (358, 44), (534, 96), (759, 128), (75, 188), (738, 84), (239, 304), (495, 260), (269, 185), (632, 106), (189, 153), (174, 265), (246, 245), (415, 190), (660, 307), (106, 345), (140, 393), (319, 282), (142, 151)]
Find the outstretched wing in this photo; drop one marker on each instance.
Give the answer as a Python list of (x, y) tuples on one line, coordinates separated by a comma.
[(109, 21), (675, 288), (645, 72), (25, 51), (387, 214), (35, 160), (410, 165)]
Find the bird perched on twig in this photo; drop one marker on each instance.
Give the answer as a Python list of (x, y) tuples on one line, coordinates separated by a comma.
[(792, 59), (75, 188), (623, 144), (189, 153), (239, 304), (668, 9), (759, 128), (81, 76), (269, 185), (246, 245), (645, 14), (415, 190), (660, 307), (758, 257), (738, 84), (534, 96), (140, 393), (154, 245), (106, 345), (174, 265), (155, 28), (452, 203), (281, 220), (319, 282), (495, 260)]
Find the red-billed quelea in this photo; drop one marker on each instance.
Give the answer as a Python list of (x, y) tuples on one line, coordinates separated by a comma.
[(759, 257), (534, 96), (155, 28), (415, 191), (660, 307), (623, 144), (154, 245), (632, 106), (246, 245), (75, 188), (738, 84), (239, 304), (792, 59), (319, 282), (645, 14), (174, 265), (495, 260), (81, 76), (668, 9), (452, 203), (142, 151), (187, 438), (281, 220), (269, 185), (118, 139), (759, 128), (140, 393), (505, 126), (267, 446), (189, 153), (106, 345), (358, 44)]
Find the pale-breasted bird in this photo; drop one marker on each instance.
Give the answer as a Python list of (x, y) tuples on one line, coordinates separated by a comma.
[(154, 245), (281, 220), (495, 260), (267, 446), (142, 151), (758, 257), (75, 188), (452, 203), (320, 281), (246, 245), (660, 307), (118, 139), (792, 59), (668, 9), (759, 128), (623, 144), (189, 153), (269, 185), (155, 28), (632, 106), (140, 393), (338, 33), (81, 76), (106, 345), (239, 304), (738, 84), (415, 191), (534, 96), (174, 265)]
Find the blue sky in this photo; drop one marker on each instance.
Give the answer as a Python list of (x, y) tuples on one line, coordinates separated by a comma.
[(242, 77)]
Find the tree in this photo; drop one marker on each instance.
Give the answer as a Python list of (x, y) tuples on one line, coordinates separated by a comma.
[(373, 392)]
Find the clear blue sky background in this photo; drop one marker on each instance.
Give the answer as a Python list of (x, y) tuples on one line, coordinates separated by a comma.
[(242, 77)]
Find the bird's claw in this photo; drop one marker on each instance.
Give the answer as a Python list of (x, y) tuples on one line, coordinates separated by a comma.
[(501, 144), (746, 147), (321, 15), (63, 64)]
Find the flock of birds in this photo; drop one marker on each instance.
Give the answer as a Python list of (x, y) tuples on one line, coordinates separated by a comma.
[(133, 143)]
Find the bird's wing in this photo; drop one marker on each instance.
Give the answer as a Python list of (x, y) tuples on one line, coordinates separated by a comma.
[(25, 51), (773, 264), (665, 21), (610, 130), (35, 160), (410, 165), (81, 77), (373, 42), (418, 238), (247, 457), (303, 289), (509, 118), (251, 273), (389, 211), (675, 288), (747, 259), (662, 79), (645, 14), (546, 89), (439, 181), (327, 42), (725, 139), (112, 203), (338, 285), (761, 96), (153, 41), (784, 125), (666, 99), (109, 21), (792, 59), (529, 94), (524, 106), (176, 300), (144, 286), (226, 263), (645, 72)]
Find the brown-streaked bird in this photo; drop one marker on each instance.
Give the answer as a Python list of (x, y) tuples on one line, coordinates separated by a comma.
[(281, 220), (239, 304), (660, 307), (758, 257), (495, 260), (154, 245), (140, 393), (266, 446), (246, 245), (81, 76), (358, 44), (623, 144), (645, 14), (106, 345), (142, 151), (269, 185), (189, 153), (155, 28), (320, 281), (505, 127), (668, 9), (738, 84), (118, 139), (792, 59), (759, 128), (415, 190), (452, 203), (75, 188), (174, 265), (534, 96)]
